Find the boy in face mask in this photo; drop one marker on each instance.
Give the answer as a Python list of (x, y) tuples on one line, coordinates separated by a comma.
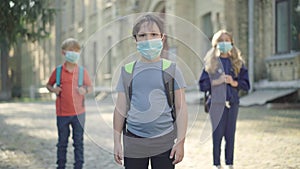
[(150, 129), (70, 109)]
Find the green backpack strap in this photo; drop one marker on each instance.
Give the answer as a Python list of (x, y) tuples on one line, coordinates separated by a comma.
[(169, 68), (58, 74), (80, 76), (127, 75)]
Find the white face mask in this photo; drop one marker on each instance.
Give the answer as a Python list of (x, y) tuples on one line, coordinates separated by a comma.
[(224, 47), (72, 57), (150, 49)]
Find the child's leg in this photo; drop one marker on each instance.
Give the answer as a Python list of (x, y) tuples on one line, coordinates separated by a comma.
[(230, 134), (78, 129), (136, 163), (162, 161), (218, 119), (63, 135)]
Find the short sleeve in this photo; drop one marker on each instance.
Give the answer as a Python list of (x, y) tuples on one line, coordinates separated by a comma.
[(179, 80), (120, 86), (52, 78)]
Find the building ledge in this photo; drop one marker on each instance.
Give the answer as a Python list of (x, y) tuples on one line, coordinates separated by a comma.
[(265, 84), (291, 55)]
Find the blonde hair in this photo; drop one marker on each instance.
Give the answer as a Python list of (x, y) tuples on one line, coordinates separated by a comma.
[(211, 58), (70, 43)]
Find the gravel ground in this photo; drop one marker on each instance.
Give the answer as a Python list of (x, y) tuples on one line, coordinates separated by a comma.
[(265, 138)]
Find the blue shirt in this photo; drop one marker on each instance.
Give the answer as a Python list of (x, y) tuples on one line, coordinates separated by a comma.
[(150, 114)]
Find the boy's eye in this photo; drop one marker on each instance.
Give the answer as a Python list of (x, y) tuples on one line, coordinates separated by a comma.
[(155, 34), (141, 35)]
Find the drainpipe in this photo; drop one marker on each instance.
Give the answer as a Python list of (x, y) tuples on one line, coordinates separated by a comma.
[(250, 43)]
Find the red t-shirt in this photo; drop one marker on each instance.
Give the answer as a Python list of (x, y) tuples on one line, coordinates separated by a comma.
[(69, 102)]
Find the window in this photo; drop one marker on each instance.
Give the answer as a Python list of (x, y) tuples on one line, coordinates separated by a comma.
[(207, 25), (287, 26)]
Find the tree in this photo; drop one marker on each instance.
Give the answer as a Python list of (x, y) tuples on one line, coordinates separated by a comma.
[(25, 20)]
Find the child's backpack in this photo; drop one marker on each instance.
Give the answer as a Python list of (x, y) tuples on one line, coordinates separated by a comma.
[(80, 75), (168, 69)]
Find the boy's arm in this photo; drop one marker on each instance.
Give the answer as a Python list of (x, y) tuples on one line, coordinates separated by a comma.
[(51, 82), (52, 89), (87, 88), (181, 121), (118, 123)]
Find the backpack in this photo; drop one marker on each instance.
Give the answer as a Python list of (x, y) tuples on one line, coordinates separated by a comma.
[(80, 75), (168, 69)]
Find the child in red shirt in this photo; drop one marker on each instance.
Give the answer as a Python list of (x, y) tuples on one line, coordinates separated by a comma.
[(70, 109)]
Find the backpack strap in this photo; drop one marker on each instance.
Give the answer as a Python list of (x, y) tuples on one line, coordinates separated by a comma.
[(58, 74), (80, 76), (169, 69), (127, 76)]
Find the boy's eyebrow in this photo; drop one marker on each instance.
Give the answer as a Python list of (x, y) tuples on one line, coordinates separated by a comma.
[(148, 33)]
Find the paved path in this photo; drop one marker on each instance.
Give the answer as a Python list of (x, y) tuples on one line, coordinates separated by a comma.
[(265, 138)]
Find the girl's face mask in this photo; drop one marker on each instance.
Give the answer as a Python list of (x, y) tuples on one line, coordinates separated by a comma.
[(150, 49), (224, 47), (72, 57)]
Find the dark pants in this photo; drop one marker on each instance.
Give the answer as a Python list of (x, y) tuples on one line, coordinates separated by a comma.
[(161, 161), (63, 126), (224, 125)]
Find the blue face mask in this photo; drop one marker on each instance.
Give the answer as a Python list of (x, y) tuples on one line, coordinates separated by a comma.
[(150, 49), (224, 47), (72, 57)]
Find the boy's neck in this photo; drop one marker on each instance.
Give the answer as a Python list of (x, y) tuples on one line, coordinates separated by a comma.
[(70, 66), (150, 61)]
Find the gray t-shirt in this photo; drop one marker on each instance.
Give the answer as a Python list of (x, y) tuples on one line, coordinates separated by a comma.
[(150, 114)]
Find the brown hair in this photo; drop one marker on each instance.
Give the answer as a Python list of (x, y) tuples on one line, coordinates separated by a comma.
[(150, 18)]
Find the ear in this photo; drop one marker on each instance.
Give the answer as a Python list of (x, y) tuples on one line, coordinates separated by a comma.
[(63, 52), (163, 38)]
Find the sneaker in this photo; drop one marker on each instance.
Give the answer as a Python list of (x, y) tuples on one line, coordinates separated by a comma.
[(217, 167), (229, 167)]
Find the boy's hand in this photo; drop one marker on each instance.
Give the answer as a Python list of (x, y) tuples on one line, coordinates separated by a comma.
[(177, 152), (118, 153), (82, 90), (57, 90)]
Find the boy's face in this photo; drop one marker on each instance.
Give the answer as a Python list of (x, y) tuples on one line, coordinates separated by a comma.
[(148, 31), (72, 55)]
